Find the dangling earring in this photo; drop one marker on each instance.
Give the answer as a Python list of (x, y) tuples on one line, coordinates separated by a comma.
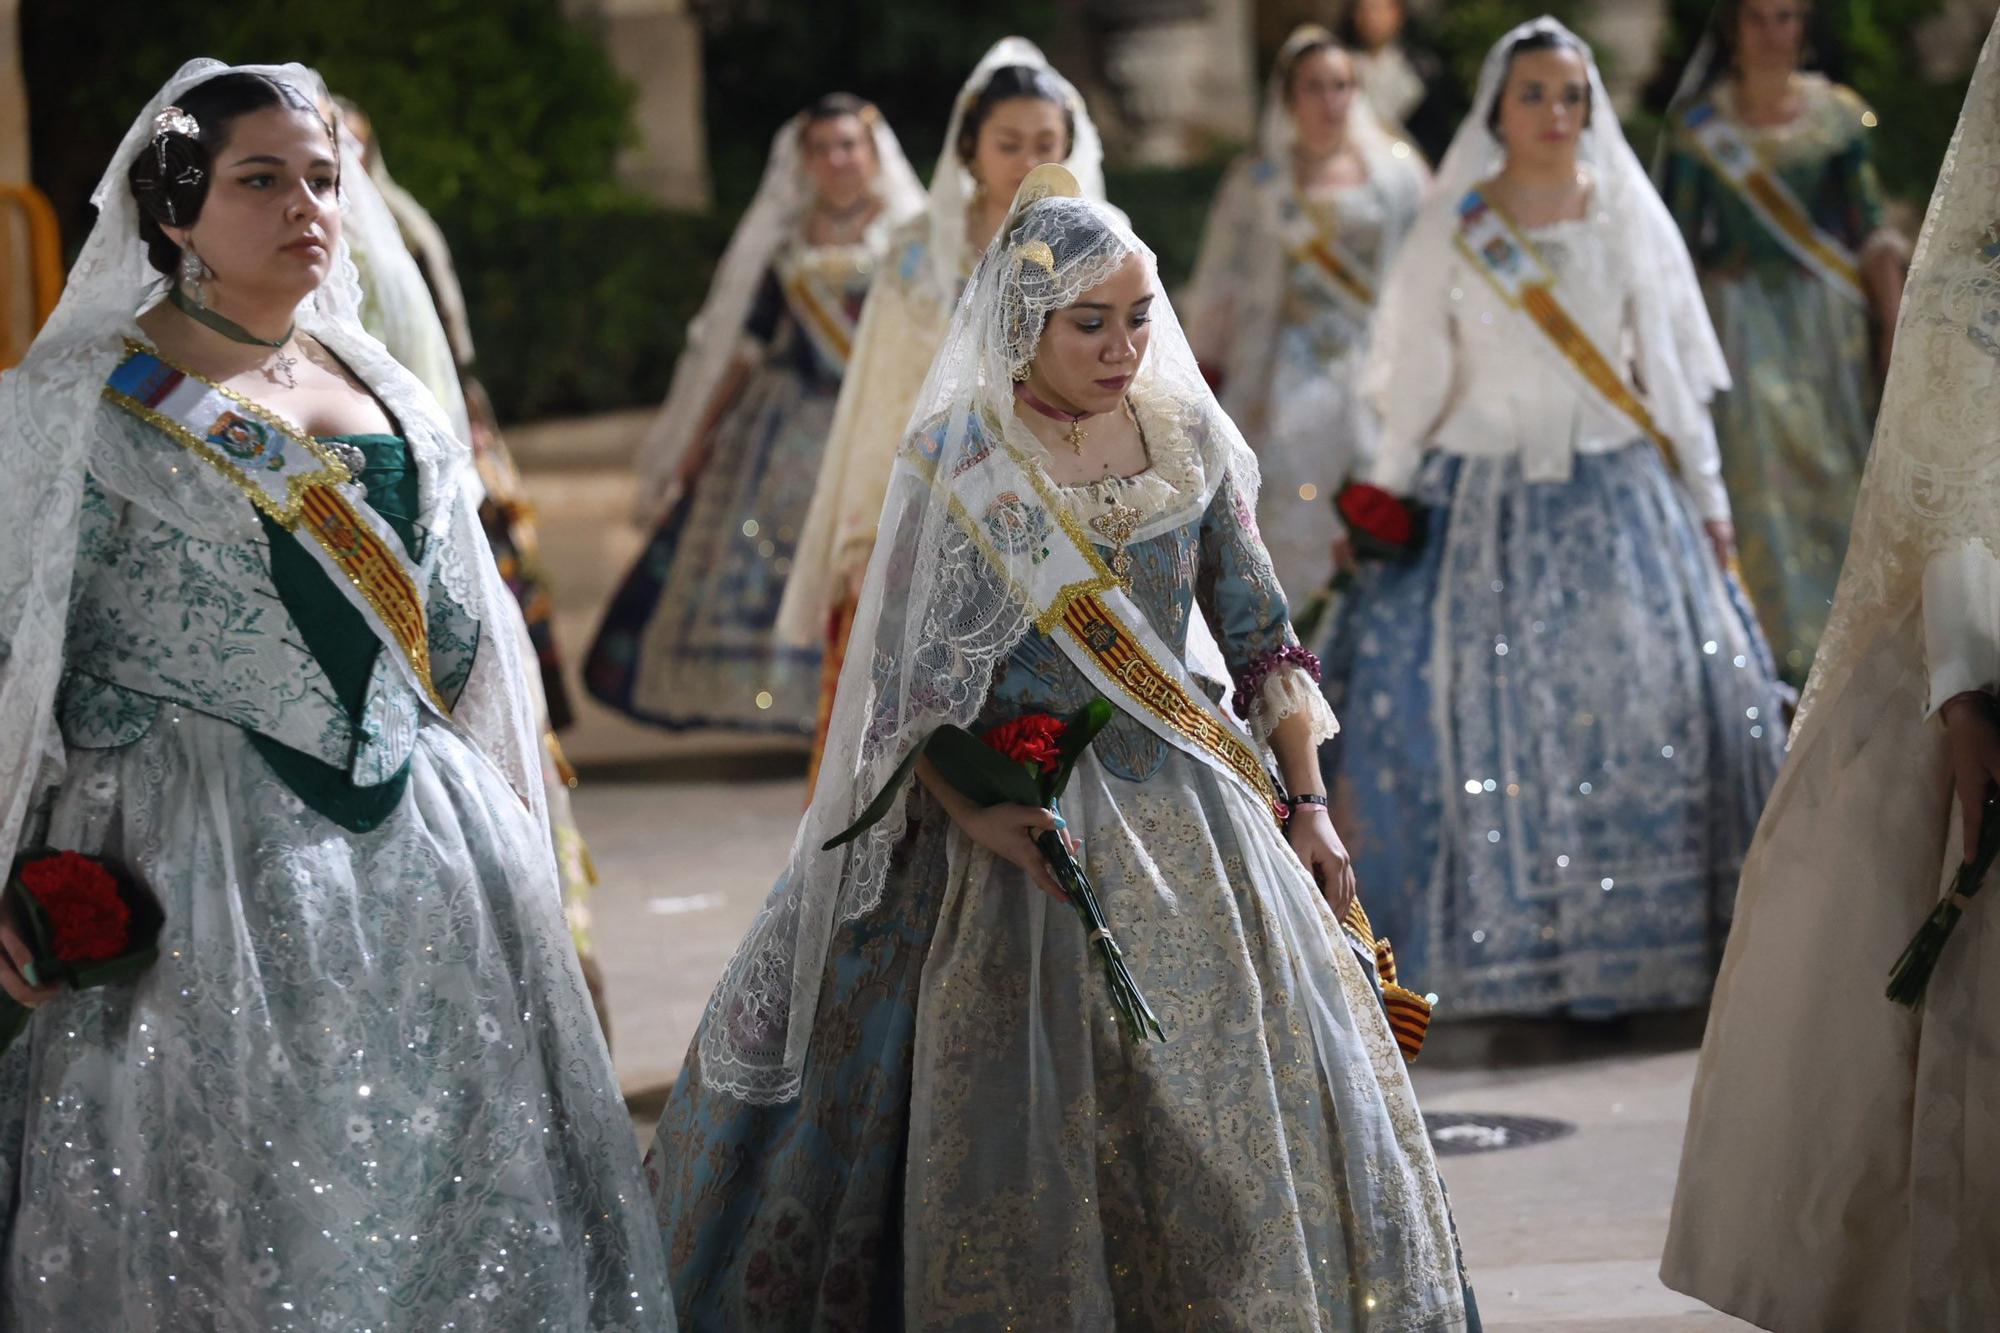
[(1021, 373), (192, 272)]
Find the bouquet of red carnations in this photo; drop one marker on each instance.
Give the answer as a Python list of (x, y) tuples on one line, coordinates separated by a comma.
[(1028, 762), (1381, 526), (87, 923)]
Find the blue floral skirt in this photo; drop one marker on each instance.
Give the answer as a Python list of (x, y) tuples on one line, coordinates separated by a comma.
[(976, 1144), (1559, 726), (689, 639)]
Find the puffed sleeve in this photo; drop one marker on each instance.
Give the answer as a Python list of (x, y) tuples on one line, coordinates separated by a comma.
[(766, 312), (1246, 611), (1853, 174), (1962, 622)]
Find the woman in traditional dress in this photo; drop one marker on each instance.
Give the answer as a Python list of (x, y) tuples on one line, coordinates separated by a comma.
[(1560, 720), (257, 654), (1013, 114), (401, 307), (726, 473), (1768, 171), (1841, 1150), (1297, 246), (910, 1102)]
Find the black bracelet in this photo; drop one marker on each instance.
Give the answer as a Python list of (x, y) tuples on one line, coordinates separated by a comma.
[(1310, 798)]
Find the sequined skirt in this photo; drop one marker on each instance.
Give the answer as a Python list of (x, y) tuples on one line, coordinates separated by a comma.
[(978, 1146), (362, 1088), (1559, 726)]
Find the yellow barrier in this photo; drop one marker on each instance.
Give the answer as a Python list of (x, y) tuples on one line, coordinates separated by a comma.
[(44, 264)]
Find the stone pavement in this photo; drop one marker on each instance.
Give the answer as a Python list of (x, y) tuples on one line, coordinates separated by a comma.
[(689, 833)]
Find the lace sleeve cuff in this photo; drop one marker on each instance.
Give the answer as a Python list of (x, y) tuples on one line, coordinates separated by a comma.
[(1278, 684), (1288, 691)]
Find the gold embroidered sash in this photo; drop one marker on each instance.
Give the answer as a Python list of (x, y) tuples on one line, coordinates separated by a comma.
[(818, 301), (1318, 251), (1771, 201), (1526, 283), (1004, 506), (295, 480)]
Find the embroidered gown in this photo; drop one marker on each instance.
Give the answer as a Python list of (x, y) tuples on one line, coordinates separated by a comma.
[(1795, 427), (689, 639), (362, 1087), (977, 1144), (1289, 339), (1560, 723)]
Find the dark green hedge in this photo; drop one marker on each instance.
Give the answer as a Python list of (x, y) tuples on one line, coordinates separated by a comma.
[(582, 311), (482, 105)]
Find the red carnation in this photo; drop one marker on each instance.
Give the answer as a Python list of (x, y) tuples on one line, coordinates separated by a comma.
[(1034, 739), (1372, 511), (88, 917)]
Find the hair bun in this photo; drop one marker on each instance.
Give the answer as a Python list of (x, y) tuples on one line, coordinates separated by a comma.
[(170, 178)]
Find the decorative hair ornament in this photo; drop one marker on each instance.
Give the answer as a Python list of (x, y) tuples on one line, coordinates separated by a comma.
[(1049, 181), (173, 120), (1036, 252)]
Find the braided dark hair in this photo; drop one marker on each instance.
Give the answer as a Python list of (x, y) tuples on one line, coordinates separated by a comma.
[(169, 179), (1009, 83)]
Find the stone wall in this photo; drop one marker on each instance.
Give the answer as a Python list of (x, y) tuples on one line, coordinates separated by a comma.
[(656, 44)]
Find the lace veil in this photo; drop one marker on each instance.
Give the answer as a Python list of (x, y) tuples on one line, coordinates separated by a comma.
[(776, 213), (1679, 361), (54, 427), (1933, 478), (941, 607)]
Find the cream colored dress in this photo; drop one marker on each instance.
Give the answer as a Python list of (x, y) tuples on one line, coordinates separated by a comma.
[(1840, 1149)]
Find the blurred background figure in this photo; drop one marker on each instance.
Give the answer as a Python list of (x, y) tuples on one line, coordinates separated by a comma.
[(1401, 78), (727, 470), (1769, 171), (1296, 249), (1013, 114)]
